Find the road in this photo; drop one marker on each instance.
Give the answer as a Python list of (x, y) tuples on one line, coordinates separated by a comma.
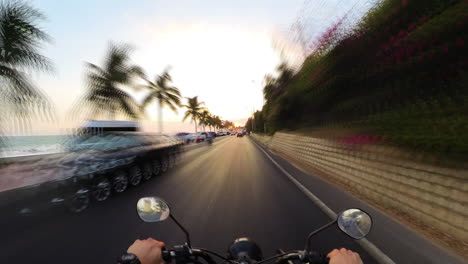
[(219, 192)]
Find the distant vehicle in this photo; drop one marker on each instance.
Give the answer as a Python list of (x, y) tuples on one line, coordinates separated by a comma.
[(233, 133), (184, 136), (198, 137), (211, 135), (240, 134), (244, 132)]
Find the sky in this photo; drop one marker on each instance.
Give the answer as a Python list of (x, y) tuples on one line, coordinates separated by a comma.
[(218, 50)]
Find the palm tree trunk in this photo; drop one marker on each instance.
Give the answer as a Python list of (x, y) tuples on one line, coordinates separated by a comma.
[(160, 118), (195, 121)]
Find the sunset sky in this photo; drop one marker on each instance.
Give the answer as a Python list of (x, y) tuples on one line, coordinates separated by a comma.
[(218, 50)]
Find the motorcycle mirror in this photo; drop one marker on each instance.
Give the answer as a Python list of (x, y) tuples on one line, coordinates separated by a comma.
[(152, 209), (355, 223), (155, 209)]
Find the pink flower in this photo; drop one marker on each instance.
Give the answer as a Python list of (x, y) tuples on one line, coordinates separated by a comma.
[(401, 34)]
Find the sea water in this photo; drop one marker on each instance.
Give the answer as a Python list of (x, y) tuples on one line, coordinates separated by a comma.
[(15, 146)]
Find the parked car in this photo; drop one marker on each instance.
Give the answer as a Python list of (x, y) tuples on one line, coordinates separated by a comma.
[(211, 135), (198, 137), (185, 137)]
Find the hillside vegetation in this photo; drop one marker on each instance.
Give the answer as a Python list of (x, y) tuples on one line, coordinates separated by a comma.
[(400, 75)]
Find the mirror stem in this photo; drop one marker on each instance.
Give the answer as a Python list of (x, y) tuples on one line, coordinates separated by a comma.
[(309, 238), (183, 229)]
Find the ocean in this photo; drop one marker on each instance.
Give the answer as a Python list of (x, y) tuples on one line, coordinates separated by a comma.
[(15, 146)]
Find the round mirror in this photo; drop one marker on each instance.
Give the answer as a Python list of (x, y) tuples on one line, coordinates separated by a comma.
[(152, 209), (355, 223)]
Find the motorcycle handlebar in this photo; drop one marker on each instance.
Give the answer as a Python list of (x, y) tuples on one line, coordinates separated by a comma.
[(183, 254), (166, 255), (311, 257)]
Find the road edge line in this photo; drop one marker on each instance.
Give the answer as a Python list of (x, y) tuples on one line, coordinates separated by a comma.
[(372, 249)]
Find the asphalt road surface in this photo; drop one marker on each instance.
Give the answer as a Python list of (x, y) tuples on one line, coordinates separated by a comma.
[(218, 192)]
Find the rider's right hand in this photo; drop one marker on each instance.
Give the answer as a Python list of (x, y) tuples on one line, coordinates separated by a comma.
[(344, 256), (148, 251)]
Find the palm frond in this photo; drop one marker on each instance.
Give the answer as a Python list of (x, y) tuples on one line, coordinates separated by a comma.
[(187, 115), (104, 95), (20, 40), (148, 99)]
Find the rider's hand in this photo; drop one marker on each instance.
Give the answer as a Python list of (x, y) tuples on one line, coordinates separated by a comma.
[(148, 251), (344, 256)]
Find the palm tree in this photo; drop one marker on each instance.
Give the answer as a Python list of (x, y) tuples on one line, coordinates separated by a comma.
[(217, 122), (194, 110), (105, 96), (163, 94), (20, 41), (205, 119)]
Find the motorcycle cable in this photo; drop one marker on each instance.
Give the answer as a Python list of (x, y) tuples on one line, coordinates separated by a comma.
[(217, 255), (276, 256)]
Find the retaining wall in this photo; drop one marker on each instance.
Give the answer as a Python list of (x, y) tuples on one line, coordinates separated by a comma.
[(435, 195)]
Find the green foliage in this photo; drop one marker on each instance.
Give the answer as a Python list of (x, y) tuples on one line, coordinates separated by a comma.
[(401, 73)]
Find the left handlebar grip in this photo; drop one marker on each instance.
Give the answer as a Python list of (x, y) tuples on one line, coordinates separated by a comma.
[(166, 255)]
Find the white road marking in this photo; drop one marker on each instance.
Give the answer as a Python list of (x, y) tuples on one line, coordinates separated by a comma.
[(372, 249)]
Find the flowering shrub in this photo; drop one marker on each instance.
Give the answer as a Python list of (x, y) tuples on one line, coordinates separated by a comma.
[(401, 74)]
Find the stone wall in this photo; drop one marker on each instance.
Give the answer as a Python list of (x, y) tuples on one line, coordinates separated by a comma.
[(435, 195)]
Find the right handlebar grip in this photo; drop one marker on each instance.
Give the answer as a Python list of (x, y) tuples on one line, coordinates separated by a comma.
[(317, 258), (323, 260)]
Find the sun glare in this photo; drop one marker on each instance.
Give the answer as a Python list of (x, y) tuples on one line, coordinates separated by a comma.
[(222, 65)]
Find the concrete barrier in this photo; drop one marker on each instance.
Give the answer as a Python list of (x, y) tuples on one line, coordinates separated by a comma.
[(435, 195)]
